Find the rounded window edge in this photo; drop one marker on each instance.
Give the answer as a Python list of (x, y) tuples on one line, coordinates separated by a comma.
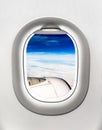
[(80, 91), (76, 71)]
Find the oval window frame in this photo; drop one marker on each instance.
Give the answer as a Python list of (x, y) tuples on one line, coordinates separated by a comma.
[(76, 66), (50, 108)]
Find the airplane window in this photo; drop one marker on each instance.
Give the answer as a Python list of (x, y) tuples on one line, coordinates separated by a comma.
[(50, 66)]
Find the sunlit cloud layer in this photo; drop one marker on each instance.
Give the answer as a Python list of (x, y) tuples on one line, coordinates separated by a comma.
[(51, 65)]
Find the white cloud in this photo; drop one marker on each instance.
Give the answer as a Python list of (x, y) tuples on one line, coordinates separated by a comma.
[(51, 65)]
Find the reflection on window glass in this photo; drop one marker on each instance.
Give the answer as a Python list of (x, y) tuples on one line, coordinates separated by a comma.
[(50, 65)]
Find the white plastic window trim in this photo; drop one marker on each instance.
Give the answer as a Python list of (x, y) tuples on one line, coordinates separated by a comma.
[(82, 84)]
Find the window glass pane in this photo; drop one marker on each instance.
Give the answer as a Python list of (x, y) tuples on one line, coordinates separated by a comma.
[(50, 66)]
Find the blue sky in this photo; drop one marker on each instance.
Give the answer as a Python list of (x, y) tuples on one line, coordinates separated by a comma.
[(51, 43), (51, 56)]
